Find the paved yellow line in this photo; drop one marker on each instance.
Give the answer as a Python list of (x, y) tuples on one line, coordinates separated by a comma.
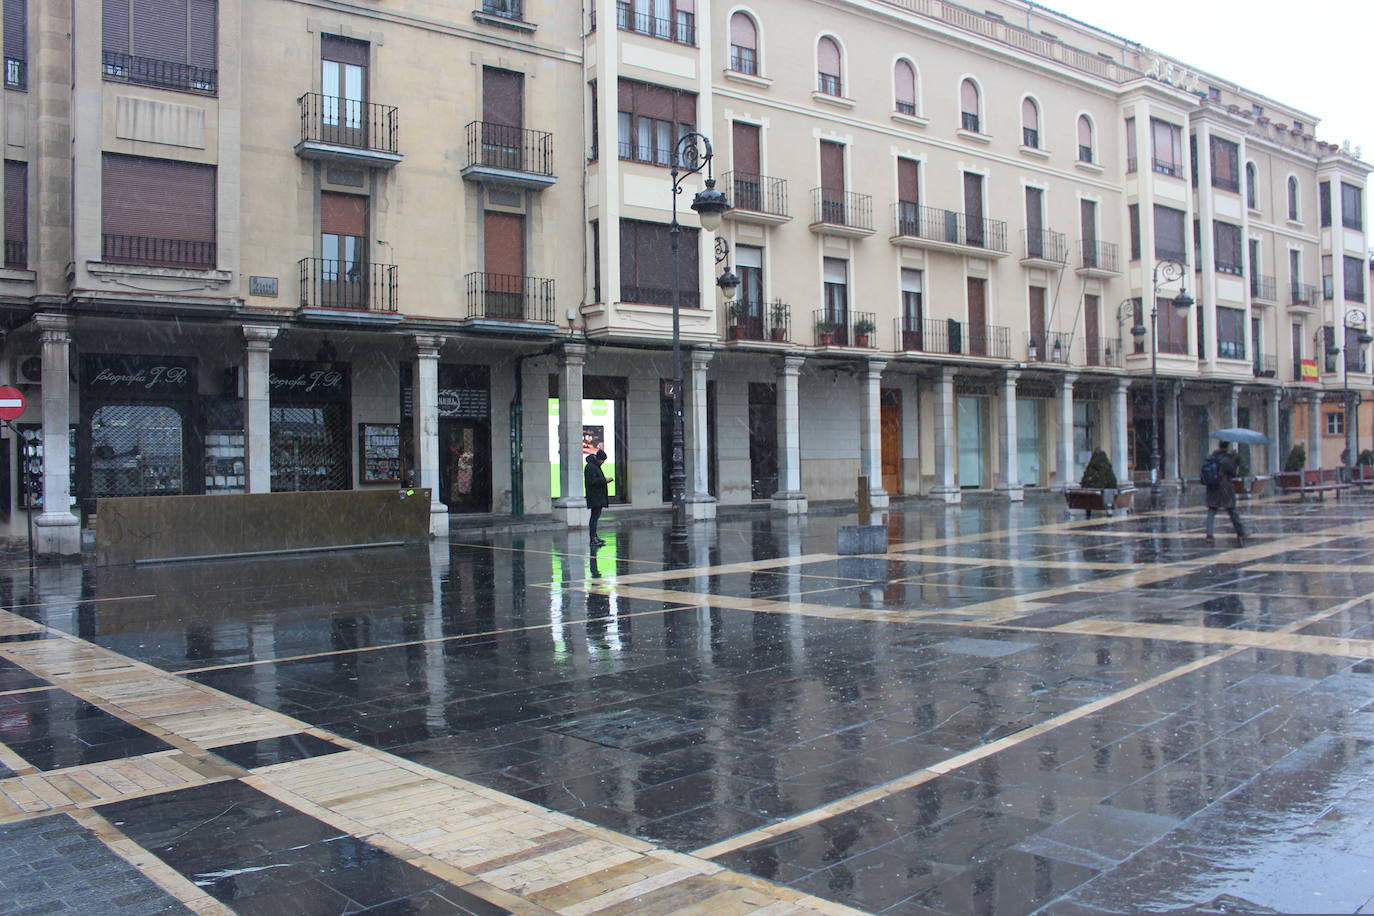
[(1287, 642)]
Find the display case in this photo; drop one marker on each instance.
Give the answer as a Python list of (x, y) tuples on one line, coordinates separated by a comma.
[(379, 453), (225, 461), (30, 448)]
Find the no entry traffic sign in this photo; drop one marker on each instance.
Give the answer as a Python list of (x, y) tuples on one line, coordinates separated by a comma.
[(11, 403)]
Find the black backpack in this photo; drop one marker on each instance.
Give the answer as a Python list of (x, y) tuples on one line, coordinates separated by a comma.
[(1211, 471)]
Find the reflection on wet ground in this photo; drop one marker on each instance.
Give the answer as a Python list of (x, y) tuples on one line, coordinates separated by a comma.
[(1006, 713)]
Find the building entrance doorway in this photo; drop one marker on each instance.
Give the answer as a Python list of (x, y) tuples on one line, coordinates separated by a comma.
[(890, 423)]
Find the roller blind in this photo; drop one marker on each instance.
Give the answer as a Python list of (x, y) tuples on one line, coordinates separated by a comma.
[(157, 198)]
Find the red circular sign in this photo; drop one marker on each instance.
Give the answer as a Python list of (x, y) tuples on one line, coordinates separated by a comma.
[(11, 403)]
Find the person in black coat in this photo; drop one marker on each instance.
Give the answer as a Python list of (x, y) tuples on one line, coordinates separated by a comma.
[(1222, 494), (594, 484)]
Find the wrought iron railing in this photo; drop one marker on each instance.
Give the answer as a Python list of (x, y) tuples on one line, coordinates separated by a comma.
[(828, 83), (1101, 351), (516, 149), (1262, 287), (757, 193), (17, 253), (330, 283), (1049, 347), (1230, 349), (1167, 166), (683, 30), (1302, 294), (848, 329), (744, 60), (155, 252), (1098, 255), (165, 74), (759, 320), (969, 121), (657, 295), (512, 297), (1266, 365), (1044, 245), (348, 122), (950, 226), (948, 335), (839, 207), (506, 9)]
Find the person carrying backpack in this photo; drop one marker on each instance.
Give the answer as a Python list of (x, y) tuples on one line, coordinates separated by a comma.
[(1218, 472)]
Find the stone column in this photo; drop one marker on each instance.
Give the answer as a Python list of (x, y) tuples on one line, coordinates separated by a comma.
[(790, 498), (871, 432), (946, 440), (424, 421), (1068, 476), (57, 530), (1232, 406), (701, 504), (1008, 454), (1314, 430), (1120, 459), (1168, 443), (257, 404), (1272, 410), (571, 506)]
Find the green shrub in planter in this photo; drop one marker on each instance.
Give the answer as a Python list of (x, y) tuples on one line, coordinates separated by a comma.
[(1098, 475), (1366, 458), (1296, 460)]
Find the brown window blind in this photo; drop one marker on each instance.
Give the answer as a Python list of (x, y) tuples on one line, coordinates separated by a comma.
[(745, 154), (503, 94), (658, 102), (503, 243), (343, 214), (343, 50), (157, 198), (172, 31), (908, 180), (742, 30), (16, 42), (16, 213), (646, 264), (832, 165)]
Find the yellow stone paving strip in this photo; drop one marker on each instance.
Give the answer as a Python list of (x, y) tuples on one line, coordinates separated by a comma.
[(35, 793), (1287, 642)]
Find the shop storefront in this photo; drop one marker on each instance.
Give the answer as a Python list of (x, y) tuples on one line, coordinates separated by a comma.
[(465, 438), (310, 426)]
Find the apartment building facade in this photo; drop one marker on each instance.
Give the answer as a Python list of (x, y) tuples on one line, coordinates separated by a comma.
[(261, 247)]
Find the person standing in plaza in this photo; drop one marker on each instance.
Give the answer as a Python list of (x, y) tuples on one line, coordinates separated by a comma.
[(1218, 473), (595, 483)]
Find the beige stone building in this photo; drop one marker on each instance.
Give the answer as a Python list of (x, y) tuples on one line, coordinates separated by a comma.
[(256, 245)]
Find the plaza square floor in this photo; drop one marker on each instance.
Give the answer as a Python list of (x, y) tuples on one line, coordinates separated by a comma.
[(1010, 711)]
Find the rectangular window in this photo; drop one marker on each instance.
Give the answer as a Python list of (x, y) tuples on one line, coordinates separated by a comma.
[(1230, 333), (837, 291), (671, 20), (1329, 349), (1130, 145), (1354, 351), (1295, 355), (1354, 278), (651, 119), (171, 44), (1324, 203), (1170, 238), (1166, 142), (1352, 206), (1328, 281), (1335, 423), (646, 264), (1133, 211), (1173, 327), (908, 196), (1228, 254), (749, 264), (1225, 165), (16, 214), (16, 44), (913, 303), (596, 260), (157, 211)]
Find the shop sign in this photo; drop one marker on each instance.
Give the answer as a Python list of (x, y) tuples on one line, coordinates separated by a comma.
[(293, 381), (1309, 370), (138, 376), (464, 403)]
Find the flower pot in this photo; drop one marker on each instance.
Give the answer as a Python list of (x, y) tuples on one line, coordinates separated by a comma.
[(778, 334), (827, 338), (860, 340)]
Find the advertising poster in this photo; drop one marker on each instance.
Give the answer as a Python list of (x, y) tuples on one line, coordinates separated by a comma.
[(598, 432)]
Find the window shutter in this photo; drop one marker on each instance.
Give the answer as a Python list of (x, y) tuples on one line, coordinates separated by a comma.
[(1085, 131), (745, 155), (908, 180), (906, 83), (204, 34), (343, 214), (503, 97), (968, 97), (16, 201), (911, 280), (157, 198), (749, 256), (114, 25), (342, 50), (828, 54), (832, 165), (503, 243), (16, 29), (1030, 115), (625, 93), (742, 31), (654, 102), (685, 107), (159, 30)]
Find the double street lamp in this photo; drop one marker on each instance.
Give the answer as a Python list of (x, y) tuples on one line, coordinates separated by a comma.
[(1355, 320), (1166, 271), (691, 156)]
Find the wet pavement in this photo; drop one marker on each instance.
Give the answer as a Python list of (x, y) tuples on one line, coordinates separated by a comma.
[(1009, 712)]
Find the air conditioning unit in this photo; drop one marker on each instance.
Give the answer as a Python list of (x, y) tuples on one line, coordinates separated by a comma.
[(28, 370)]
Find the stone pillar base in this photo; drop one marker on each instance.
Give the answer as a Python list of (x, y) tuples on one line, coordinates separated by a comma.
[(701, 507), (57, 534), (572, 512), (438, 520), (790, 502), (1015, 494), (949, 495), (878, 498)]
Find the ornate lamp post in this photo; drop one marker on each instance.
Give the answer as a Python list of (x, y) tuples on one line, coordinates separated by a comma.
[(691, 156), (1355, 320), (1166, 271)]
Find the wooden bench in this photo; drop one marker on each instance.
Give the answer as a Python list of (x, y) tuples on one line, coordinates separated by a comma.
[(1315, 480), (1363, 475)]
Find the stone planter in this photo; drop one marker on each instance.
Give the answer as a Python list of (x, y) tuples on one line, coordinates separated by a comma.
[(1104, 500)]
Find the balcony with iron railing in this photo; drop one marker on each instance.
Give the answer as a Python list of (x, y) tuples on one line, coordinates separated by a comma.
[(1101, 351), (1049, 347), (953, 337), (756, 198), (757, 320), (499, 154), (849, 329), (1098, 258), (163, 74), (156, 252), (508, 14), (835, 211), (1266, 365), (931, 227), (1263, 288), (659, 295), (357, 286), (348, 130), (1302, 295), (510, 300), (1043, 248), (681, 31)]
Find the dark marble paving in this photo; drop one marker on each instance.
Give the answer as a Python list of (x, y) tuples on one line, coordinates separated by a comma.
[(52, 729), (271, 751), (16, 677), (259, 856)]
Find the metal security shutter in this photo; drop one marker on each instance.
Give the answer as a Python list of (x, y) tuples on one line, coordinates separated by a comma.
[(344, 50), (158, 30), (114, 25), (157, 198), (204, 34), (16, 30), (16, 200)]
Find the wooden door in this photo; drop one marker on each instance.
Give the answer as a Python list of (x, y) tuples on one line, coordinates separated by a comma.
[(890, 424), (504, 264), (1037, 321), (977, 316), (343, 83)]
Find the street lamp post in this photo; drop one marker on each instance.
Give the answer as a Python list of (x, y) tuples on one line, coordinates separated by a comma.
[(1167, 271), (691, 156), (1355, 320)]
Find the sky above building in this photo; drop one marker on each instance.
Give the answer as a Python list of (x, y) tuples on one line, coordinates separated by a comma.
[(1314, 55)]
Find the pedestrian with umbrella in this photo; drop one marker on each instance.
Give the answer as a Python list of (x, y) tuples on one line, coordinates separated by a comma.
[(1219, 472)]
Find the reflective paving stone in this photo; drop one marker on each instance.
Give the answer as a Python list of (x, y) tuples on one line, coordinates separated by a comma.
[(52, 729)]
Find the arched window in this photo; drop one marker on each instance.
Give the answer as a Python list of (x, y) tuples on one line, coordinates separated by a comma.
[(828, 63), (1251, 190), (1085, 139), (744, 44), (1292, 198), (970, 106), (1030, 123), (904, 84)]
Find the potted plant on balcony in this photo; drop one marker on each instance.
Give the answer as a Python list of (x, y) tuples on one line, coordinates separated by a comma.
[(1098, 490), (826, 330), (777, 321), (739, 321), (863, 328)]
